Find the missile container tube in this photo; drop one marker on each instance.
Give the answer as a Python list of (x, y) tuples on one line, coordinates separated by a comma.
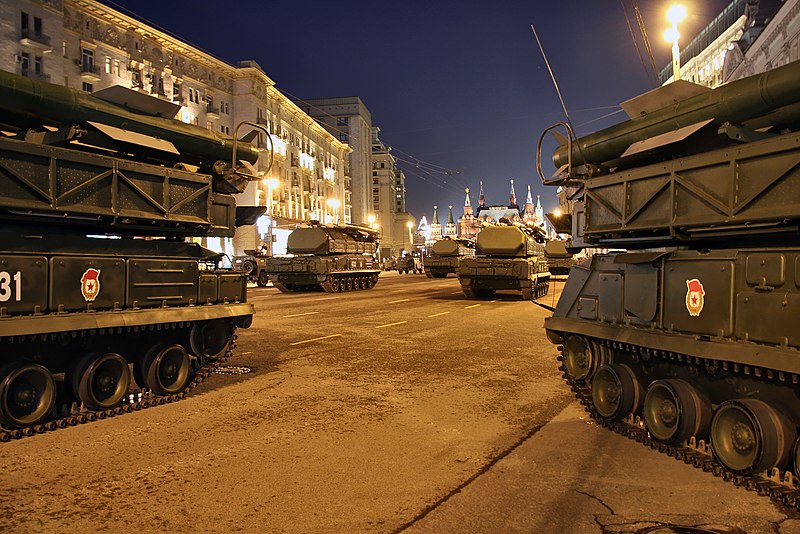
[(331, 258), (689, 341), (105, 307), (445, 256), (506, 258)]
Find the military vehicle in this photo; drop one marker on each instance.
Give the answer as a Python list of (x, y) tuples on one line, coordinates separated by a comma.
[(506, 257), (445, 256), (104, 306), (332, 258), (688, 340), (559, 260), (409, 263)]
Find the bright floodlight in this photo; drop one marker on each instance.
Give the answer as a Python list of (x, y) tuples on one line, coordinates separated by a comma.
[(557, 212), (272, 183), (410, 225), (676, 13), (671, 35), (371, 219), (334, 202)]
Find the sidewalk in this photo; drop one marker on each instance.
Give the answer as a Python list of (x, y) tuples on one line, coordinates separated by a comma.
[(575, 477)]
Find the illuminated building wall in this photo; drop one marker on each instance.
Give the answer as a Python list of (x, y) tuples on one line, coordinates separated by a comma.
[(89, 46)]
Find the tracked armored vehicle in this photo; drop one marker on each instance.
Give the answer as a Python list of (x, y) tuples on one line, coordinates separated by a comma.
[(445, 256), (331, 258), (135, 315), (506, 258), (688, 341), (559, 260)]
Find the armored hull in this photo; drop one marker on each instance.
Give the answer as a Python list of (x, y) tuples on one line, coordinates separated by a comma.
[(559, 261), (692, 347), (135, 316), (507, 258), (331, 258), (445, 256)]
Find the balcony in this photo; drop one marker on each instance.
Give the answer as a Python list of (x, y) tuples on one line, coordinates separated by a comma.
[(212, 113), (41, 76), (28, 37), (90, 72)]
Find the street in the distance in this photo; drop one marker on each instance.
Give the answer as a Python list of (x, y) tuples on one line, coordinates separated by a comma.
[(403, 407)]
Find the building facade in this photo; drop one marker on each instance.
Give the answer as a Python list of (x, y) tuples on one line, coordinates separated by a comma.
[(388, 200), (86, 45), (349, 120)]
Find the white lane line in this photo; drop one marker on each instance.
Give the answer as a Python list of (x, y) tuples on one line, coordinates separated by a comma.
[(473, 306), (315, 339), (299, 314), (324, 298), (391, 324), (438, 314), (396, 301)]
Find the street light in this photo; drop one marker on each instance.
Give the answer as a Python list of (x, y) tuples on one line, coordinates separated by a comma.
[(271, 183), (675, 14), (371, 221), (334, 203)]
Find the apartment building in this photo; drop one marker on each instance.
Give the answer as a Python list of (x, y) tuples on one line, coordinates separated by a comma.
[(89, 46), (388, 200), (349, 120)]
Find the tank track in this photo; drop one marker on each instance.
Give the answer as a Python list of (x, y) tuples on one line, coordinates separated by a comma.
[(781, 487), (136, 400)]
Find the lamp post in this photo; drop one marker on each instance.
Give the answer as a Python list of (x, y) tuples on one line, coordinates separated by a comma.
[(675, 14), (271, 183), (334, 204), (410, 225)]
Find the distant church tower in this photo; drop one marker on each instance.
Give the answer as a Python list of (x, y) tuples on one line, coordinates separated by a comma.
[(512, 202), (528, 208), (466, 221), (481, 200), (450, 228), (423, 229), (436, 226), (539, 213)]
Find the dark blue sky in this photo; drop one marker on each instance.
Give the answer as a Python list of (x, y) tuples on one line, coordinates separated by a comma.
[(457, 84)]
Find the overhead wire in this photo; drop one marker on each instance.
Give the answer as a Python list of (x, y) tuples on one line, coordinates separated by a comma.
[(643, 30), (633, 38)]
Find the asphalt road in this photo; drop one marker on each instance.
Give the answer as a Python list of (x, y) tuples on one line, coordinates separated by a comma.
[(405, 407)]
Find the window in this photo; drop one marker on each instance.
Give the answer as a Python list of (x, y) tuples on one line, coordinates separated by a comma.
[(25, 61), (108, 65), (87, 87), (63, 48), (116, 67), (343, 137), (24, 23), (136, 78), (37, 64), (176, 91), (87, 59), (342, 121), (374, 173), (37, 25)]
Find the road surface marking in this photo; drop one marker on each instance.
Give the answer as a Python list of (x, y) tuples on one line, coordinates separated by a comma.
[(472, 306), (438, 314), (315, 339), (495, 300), (299, 314), (391, 324), (324, 298), (396, 301)]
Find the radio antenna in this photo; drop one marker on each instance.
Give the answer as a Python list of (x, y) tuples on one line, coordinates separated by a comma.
[(552, 77)]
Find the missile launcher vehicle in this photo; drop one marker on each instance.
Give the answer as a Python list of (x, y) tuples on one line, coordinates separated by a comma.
[(105, 307), (445, 256), (506, 258), (559, 260), (688, 340), (331, 258)]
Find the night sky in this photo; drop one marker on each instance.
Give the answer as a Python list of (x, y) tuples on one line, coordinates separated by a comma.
[(459, 85)]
